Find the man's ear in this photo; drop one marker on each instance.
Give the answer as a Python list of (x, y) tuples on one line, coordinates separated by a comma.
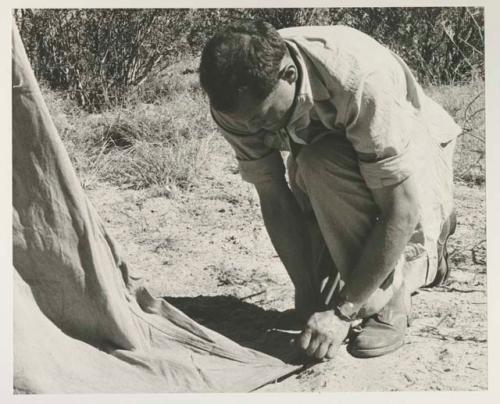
[(290, 73)]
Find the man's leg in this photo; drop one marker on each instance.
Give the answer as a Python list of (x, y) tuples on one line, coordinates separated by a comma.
[(328, 173), (345, 210), (321, 268)]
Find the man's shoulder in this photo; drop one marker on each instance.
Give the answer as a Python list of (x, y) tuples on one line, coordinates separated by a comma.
[(323, 42), (342, 56), (307, 30), (336, 56), (323, 33)]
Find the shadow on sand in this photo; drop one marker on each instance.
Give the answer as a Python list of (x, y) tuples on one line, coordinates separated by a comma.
[(249, 325)]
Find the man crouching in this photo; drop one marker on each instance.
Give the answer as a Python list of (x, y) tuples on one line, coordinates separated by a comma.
[(364, 217)]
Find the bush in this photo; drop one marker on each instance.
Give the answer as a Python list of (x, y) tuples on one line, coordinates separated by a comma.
[(441, 45), (162, 147), (101, 56)]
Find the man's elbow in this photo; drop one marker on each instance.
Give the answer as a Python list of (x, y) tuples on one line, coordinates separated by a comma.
[(406, 214), (399, 205), (412, 216)]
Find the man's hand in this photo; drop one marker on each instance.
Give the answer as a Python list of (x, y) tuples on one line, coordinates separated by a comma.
[(323, 334)]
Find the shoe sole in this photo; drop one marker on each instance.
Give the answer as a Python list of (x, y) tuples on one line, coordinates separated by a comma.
[(373, 352)]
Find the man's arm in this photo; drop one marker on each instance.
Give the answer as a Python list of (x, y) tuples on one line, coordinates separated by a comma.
[(386, 242), (287, 229), (263, 166), (324, 331), (380, 125)]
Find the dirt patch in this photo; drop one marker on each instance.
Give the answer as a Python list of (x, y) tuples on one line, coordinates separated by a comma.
[(208, 251)]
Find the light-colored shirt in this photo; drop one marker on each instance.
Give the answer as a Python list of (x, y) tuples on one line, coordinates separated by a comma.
[(349, 85)]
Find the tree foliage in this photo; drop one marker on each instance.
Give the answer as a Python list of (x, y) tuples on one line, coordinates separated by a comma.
[(100, 55)]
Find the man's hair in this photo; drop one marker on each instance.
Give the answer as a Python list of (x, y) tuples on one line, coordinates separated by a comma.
[(244, 56)]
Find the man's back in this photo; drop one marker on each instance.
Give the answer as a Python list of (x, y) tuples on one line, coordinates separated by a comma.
[(342, 58)]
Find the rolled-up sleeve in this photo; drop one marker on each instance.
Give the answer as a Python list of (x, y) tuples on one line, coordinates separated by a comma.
[(379, 127), (257, 161), (389, 171), (268, 168)]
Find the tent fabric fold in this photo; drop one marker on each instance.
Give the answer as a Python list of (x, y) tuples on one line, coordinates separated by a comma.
[(79, 325)]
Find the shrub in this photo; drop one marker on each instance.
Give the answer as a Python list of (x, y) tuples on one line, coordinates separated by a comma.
[(102, 57), (99, 55), (163, 146)]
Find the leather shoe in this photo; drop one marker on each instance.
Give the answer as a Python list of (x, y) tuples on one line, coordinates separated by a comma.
[(383, 332)]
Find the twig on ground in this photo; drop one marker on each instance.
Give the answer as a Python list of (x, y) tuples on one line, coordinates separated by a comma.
[(442, 320), (475, 113), (474, 165), (435, 334), (475, 259), (253, 295), (455, 250), (470, 104), (451, 290), (468, 130)]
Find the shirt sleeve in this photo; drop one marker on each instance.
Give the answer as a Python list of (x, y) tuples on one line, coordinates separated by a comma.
[(257, 161), (379, 126)]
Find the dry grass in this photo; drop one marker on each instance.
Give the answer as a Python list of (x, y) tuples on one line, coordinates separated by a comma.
[(163, 146), (466, 104), (162, 140)]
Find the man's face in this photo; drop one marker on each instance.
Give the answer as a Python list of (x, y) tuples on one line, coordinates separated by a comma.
[(273, 112)]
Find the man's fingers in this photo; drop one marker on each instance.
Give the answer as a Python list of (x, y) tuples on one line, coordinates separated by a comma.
[(305, 338), (322, 350), (313, 345), (332, 351)]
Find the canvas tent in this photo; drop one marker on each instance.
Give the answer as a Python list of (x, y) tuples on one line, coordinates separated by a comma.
[(79, 325)]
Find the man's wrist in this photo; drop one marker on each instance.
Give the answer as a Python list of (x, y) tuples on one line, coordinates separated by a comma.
[(346, 310)]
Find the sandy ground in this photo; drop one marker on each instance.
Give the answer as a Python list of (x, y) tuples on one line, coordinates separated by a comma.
[(208, 251)]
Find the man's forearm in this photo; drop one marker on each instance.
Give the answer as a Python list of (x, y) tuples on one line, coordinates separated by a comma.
[(383, 249)]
